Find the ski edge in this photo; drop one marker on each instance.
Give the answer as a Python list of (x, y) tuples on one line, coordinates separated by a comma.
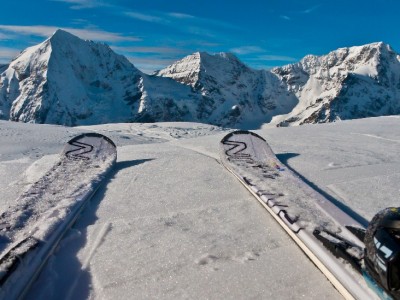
[(346, 292), (55, 238), (63, 231)]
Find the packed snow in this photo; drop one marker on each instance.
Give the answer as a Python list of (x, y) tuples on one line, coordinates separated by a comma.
[(171, 222)]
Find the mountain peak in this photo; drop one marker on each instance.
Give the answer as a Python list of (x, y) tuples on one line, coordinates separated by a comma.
[(220, 56), (60, 33), (69, 82), (62, 38), (193, 67)]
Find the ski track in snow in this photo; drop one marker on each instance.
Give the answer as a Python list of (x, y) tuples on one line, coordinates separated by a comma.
[(104, 231), (378, 137)]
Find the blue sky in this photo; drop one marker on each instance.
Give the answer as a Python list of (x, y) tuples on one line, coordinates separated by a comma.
[(155, 33)]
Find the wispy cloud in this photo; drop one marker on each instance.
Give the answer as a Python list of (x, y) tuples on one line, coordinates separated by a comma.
[(5, 36), (150, 64), (83, 4), (149, 49), (247, 50), (180, 15), (90, 34), (151, 58), (7, 54), (311, 9), (276, 58), (159, 17), (291, 14), (181, 21), (145, 17)]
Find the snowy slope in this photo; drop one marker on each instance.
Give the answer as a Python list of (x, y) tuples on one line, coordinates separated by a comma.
[(172, 223)]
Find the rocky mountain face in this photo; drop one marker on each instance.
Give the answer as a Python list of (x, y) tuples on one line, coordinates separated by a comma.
[(232, 92), (348, 83), (68, 81)]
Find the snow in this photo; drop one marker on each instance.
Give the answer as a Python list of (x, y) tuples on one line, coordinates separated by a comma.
[(170, 222)]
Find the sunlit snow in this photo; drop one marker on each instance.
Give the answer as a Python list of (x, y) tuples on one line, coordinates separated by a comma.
[(171, 222)]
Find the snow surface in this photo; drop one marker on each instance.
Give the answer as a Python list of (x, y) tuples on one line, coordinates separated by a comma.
[(172, 223)]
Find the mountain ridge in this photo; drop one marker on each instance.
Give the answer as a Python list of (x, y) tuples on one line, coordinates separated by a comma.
[(346, 83), (68, 81)]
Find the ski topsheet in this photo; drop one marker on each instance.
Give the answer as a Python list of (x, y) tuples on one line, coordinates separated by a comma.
[(31, 230), (306, 215)]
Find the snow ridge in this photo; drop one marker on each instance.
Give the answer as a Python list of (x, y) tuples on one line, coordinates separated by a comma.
[(69, 81)]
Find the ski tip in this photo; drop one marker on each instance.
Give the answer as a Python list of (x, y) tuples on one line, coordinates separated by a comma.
[(89, 146), (92, 134), (238, 132)]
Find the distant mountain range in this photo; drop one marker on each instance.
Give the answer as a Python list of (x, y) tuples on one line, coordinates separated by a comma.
[(69, 81)]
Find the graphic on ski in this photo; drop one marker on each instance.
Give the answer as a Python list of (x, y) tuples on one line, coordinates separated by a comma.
[(31, 230), (332, 239)]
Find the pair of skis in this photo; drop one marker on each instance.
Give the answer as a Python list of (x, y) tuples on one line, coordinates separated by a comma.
[(31, 229), (332, 239)]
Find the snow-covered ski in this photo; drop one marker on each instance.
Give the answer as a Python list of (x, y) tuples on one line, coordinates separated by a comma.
[(32, 229), (331, 238)]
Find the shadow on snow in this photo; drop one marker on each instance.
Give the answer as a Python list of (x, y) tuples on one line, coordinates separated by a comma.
[(74, 277), (284, 158)]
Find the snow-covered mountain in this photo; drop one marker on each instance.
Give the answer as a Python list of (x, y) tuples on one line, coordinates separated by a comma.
[(236, 94), (69, 81), (348, 83), (66, 80)]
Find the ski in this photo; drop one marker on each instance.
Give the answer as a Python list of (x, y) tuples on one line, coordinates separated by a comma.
[(32, 228), (331, 238)]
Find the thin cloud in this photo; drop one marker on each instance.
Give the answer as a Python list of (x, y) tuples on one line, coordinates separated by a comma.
[(151, 58), (201, 31), (7, 54), (216, 23), (311, 9), (150, 64), (149, 49), (89, 34), (83, 4), (177, 20), (145, 17), (180, 15), (199, 43), (291, 14), (277, 58), (247, 50), (4, 36)]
